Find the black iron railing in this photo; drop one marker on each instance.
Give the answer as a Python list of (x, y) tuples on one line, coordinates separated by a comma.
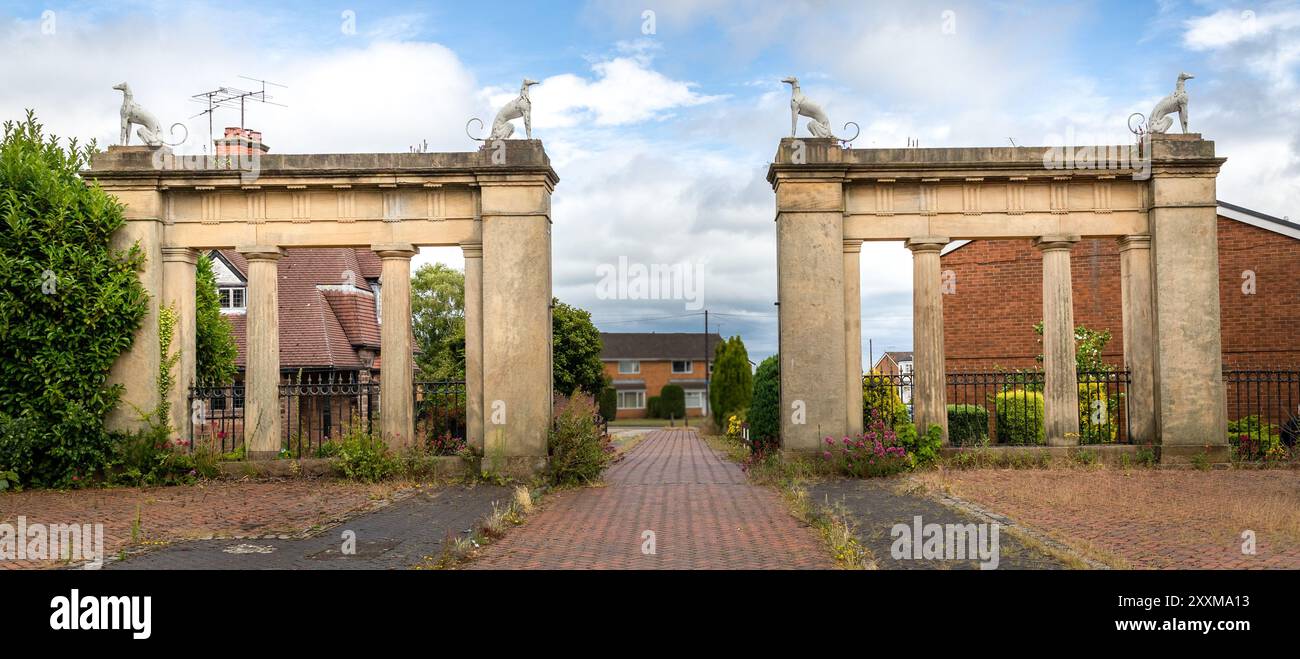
[(217, 418), (440, 415), (316, 408), (1103, 407), (995, 407), (1263, 405)]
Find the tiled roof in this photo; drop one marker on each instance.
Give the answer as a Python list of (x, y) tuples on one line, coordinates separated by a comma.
[(326, 315), (655, 345)]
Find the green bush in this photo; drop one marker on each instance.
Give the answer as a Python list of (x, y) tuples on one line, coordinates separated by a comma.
[(1019, 417), (879, 397), (1252, 439), (608, 403), (731, 386), (968, 424), (765, 408), (672, 402), (654, 407), (1100, 425), (214, 338), (363, 456), (69, 305), (578, 451), (147, 457)]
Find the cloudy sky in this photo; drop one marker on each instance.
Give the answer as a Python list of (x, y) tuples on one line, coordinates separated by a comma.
[(661, 116)]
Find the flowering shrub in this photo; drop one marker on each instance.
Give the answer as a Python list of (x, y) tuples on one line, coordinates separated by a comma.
[(877, 452), (446, 444), (1253, 440), (735, 427)]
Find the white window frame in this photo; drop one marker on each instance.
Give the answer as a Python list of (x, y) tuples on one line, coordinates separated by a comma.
[(639, 403), (227, 293), (636, 364), (690, 366), (704, 400)]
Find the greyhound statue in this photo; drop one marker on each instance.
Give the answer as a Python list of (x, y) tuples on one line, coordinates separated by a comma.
[(1161, 118), (818, 123), (150, 130), (521, 107)]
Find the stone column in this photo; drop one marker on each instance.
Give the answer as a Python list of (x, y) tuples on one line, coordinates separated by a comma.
[(473, 344), (853, 335), (262, 370), (929, 384), (1060, 379), (397, 371), (178, 291), (516, 321), (137, 368), (810, 262), (1139, 349), (1188, 383)]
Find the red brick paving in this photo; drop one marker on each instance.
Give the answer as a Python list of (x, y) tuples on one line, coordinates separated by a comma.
[(185, 512), (1149, 519), (704, 513)]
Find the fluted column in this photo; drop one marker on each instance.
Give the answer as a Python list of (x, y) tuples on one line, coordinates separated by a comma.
[(397, 371), (1139, 348), (179, 264), (1061, 380), (853, 334), (474, 343), (262, 372), (929, 400)]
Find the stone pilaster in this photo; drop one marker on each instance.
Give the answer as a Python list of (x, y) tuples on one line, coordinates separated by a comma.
[(810, 260), (473, 253), (517, 381), (179, 264), (1188, 383), (1139, 349), (929, 390), (262, 370), (853, 335), (397, 371), (137, 368), (1060, 377)]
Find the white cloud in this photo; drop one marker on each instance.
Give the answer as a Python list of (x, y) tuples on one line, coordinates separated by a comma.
[(1229, 26)]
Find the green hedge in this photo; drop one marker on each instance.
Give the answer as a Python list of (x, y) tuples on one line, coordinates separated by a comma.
[(968, 424), (1019, 417), (672, 402), (765, 408), (608, 403), (654, 407)]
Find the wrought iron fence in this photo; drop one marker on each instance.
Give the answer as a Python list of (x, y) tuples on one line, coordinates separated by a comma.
[(217, 417), (440, 415), (320, 407), (886, 397), (1103, 407), (1264, 405), (995, 407)]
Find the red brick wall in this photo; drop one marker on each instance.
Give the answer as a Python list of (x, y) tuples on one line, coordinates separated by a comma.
[(989, 320), (656, 374)]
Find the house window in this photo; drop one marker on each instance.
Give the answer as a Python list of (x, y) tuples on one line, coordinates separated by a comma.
[(631, 400), (231, 298), (629, 366), (695, 399), (682, 366)]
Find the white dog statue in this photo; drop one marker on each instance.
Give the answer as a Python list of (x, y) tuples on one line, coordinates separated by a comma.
[(150, 130), (520, 108), (818, 123), (1161, 118)]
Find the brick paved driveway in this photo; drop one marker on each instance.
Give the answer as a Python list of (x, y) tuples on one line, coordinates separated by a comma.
[(703, 512)]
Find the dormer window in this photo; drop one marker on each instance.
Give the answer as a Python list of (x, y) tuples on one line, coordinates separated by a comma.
[(232, 299)]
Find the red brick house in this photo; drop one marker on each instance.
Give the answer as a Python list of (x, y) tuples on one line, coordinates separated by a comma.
[(639, 364), (329, 314), (988, 321)]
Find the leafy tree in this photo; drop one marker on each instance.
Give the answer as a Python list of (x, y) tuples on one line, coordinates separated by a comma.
[(608, 403), (438, 321), (672, 401), (576, 351), (69, 306), (765, 408), (1088, 346), (731, 386), (214, 339)]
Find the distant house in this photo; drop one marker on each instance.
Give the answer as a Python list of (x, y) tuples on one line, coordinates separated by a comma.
[(640, 364), (896, 363), (329, 311)]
